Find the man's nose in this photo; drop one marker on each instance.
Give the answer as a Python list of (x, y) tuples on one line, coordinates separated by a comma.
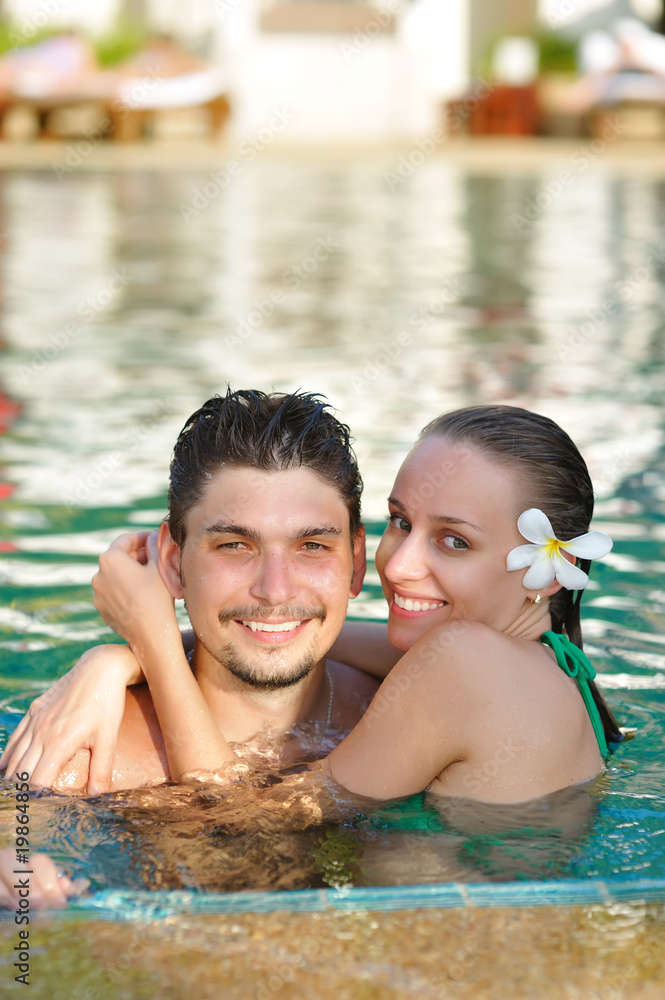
[(274, 583)]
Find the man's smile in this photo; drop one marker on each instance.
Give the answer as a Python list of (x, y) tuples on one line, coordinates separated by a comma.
[(267, 627), (272, 633)]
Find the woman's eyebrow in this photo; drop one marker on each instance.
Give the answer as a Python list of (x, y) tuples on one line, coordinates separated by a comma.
[(395, 502), (445, 519), (439, 518)]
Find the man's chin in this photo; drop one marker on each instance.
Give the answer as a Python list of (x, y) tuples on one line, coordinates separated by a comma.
[(268, 678), (270, 672)]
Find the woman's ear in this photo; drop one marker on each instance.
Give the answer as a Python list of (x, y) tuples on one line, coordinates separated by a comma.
[(554, 587), (168, 560), (359, 562)]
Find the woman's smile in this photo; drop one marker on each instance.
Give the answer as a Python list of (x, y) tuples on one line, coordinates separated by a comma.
[(415, 604)]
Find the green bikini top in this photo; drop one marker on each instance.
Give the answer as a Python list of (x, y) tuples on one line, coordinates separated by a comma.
[(576, 664)]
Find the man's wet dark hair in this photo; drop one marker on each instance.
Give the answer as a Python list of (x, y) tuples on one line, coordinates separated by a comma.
[(266, 431), (554, 478)]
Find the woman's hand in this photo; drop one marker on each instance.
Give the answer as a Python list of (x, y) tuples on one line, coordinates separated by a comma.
[(46, 888), (82, 710), (533, 620), (130, 595)]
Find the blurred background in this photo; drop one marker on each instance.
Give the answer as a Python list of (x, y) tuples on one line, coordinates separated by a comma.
[(406, 204), (347, 69)]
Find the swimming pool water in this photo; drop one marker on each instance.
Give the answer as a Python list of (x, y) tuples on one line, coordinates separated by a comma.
[(119, 318)]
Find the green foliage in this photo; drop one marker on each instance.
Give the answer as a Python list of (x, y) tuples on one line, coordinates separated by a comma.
[(12, 37), (121, 43), (557, 54), (124, 41)]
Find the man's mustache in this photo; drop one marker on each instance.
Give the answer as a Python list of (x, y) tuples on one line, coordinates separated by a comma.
[(286, 612)]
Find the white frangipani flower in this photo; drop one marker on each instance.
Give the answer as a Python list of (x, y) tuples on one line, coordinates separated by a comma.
[(544, 556)]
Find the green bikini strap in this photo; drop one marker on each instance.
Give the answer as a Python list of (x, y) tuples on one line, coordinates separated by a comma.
[(574, 662)]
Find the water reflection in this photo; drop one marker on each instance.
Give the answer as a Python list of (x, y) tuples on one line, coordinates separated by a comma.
[(234, 293)]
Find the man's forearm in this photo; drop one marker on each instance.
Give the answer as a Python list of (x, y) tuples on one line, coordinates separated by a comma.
[(365, 645)]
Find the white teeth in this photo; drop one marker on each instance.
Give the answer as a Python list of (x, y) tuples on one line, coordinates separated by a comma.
[(265, 627), (408, 605)]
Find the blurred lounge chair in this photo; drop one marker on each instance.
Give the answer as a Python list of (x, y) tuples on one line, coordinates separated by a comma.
[(58, 72), (622, 72), (63, 72), (162, 77)]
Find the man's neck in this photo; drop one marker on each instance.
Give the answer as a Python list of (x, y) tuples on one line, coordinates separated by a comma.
[(241, 710)]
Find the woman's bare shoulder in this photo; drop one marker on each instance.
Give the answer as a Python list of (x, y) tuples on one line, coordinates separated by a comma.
[(472, 660), (467, 643)]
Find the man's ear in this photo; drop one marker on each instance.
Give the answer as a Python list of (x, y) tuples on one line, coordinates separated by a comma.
[(359, 562), (168, 557)]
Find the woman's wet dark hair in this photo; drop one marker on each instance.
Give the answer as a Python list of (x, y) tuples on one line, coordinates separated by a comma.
[(266, 431), (556, 480)]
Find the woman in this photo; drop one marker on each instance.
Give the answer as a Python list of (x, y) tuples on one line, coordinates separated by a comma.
[(469, 710)]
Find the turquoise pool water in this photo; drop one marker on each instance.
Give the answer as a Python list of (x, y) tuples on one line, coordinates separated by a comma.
[(119, 318)]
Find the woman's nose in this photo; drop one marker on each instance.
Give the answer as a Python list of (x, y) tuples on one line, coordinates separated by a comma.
[(408, 561)]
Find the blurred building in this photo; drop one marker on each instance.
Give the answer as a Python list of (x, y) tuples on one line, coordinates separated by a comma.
[(342, 69), (346, 70)]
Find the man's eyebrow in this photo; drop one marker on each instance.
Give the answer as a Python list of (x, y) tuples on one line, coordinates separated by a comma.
[(228, 528), (439, 518), (325, 530)]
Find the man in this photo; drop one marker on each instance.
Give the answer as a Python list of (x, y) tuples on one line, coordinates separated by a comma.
[(265, 544)]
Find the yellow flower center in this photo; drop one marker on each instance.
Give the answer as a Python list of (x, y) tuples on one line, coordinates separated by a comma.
[(552, 546)]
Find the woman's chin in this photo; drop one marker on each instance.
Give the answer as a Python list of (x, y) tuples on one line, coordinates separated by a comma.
[(399, 636)]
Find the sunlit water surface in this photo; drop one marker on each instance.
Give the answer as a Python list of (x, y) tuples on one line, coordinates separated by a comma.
[(121, 316)]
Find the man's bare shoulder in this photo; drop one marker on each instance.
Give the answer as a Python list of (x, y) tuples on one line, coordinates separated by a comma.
[(140, 757), (353, 691)]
